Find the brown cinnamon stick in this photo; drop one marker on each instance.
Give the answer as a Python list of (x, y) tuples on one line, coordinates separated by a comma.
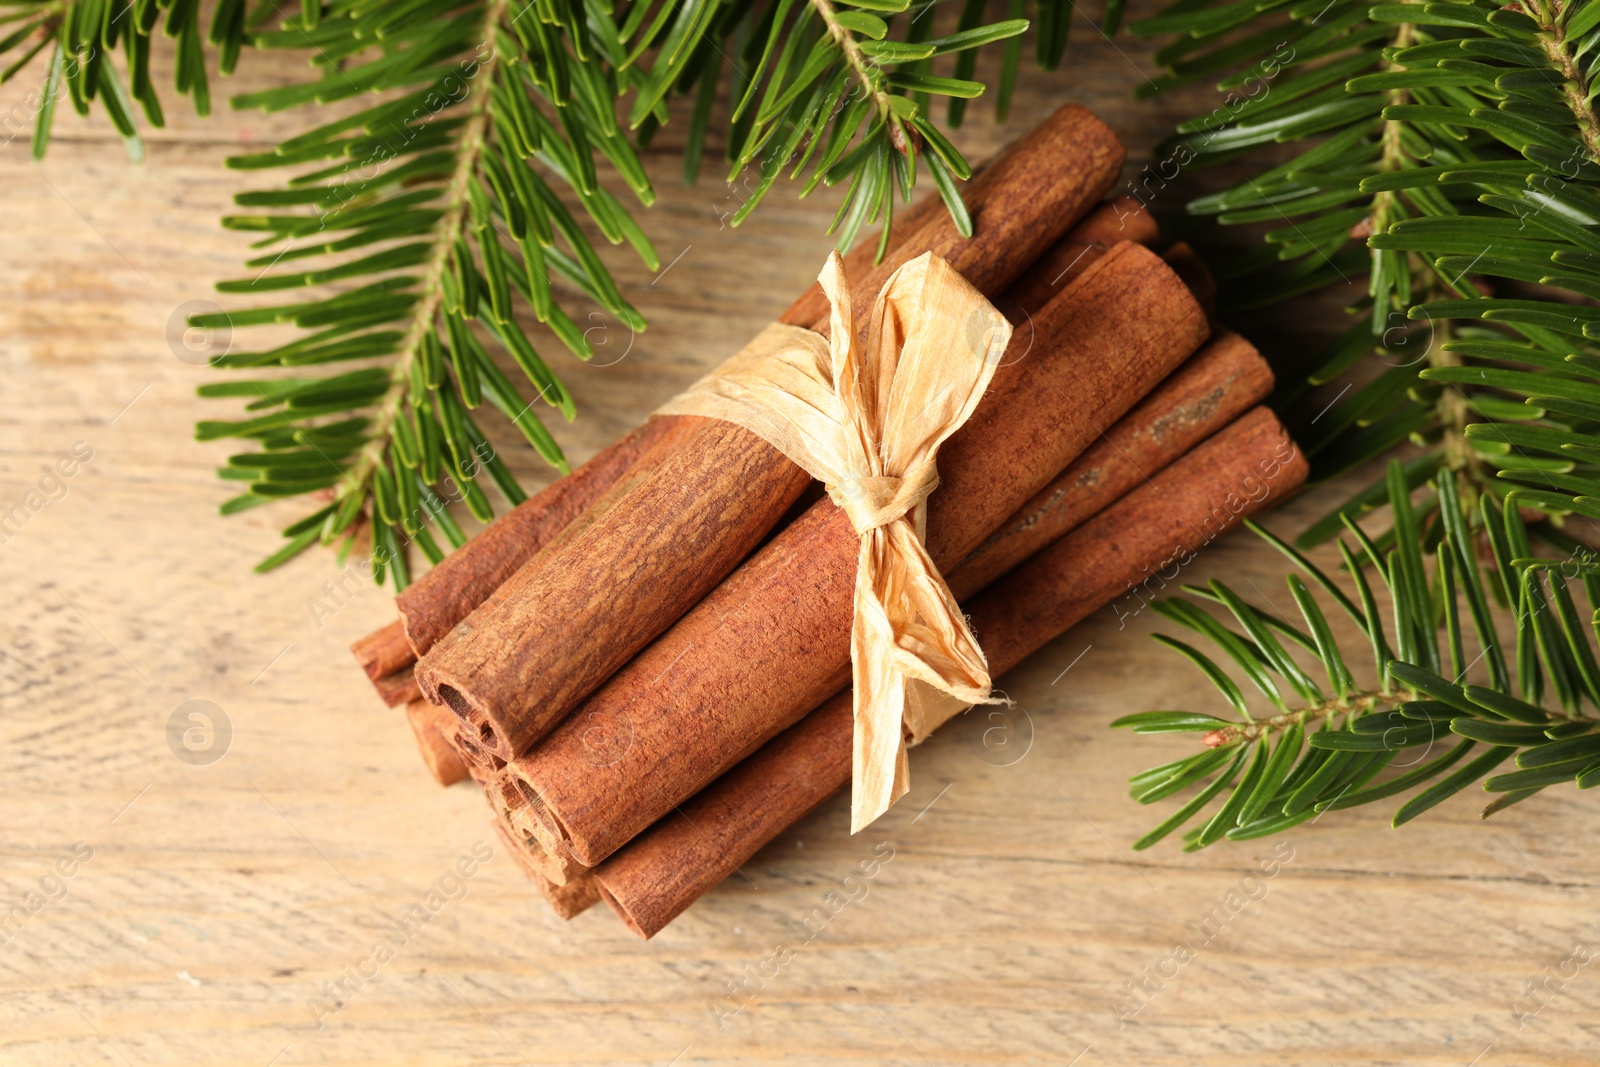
[(1121, 218), (566, 899), (437, 752), (385, 650), (772, 641), (480, 762), (398, 688), (557, 869), (619, 584), (1165, 521), (431, 605)]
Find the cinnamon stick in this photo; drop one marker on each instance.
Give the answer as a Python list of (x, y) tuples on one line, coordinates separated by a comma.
[(691, 705), (431, 605), (480, 762), (1236, 472), (398, 688), (567, 899), (437, 753), (619, 584), (559, 869), (386, 650), (1121, 218)]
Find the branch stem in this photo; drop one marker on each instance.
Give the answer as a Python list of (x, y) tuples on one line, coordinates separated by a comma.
[(474, 135), (1575, 86), (1358, 703), (859, 63)]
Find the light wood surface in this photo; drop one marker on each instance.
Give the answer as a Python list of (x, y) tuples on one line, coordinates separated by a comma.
[(220, 899)]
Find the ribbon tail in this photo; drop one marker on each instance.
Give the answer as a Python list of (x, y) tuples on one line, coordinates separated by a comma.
[(879, 771), (934, 644), (927, 709)]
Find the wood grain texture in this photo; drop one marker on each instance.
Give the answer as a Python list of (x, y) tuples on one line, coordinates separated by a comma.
[(220, 898)]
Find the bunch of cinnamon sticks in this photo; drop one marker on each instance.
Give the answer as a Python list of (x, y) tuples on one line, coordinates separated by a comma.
[(587, 659)]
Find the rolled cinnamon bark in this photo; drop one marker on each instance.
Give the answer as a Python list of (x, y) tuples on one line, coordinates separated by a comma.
[(772, 641), (385, 650), (431, 605), (1236, 472), (480, 763), (556, 869), (398, 688), (1121, 218), (675, 431), (566, 899), (437, 753), (621, 583)]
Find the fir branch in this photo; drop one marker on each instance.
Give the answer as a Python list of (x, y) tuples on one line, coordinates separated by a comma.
[(448, 230), (1456, 140), (856, 60), (1553, 18), (1536, 706), (444, 193)]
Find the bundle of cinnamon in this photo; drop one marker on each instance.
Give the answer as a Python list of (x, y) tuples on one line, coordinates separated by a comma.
[(1163, 522), (446, 592), (598, 636)]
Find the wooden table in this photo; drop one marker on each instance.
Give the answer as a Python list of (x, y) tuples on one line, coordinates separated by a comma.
[(210, 906)]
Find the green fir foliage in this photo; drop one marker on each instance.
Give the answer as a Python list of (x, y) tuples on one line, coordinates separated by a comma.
[(414, 235), (1440, 160), (1447, 701)]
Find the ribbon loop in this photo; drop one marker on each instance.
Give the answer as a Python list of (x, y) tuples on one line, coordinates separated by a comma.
[(866, 418)]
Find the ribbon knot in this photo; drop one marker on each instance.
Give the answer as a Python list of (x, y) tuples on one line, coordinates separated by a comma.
[(866, 420), (871, 501)]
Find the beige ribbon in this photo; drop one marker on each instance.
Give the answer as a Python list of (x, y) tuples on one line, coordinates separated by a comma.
[(867, 421)]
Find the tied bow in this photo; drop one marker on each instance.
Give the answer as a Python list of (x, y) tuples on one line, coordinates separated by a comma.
[(866, 418)]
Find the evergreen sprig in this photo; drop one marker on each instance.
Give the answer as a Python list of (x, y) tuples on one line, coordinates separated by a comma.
[(1447, 151), (81, 35), (432, 212), (1529, 725)]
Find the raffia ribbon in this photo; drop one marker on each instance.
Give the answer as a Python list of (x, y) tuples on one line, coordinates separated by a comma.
[(867, 421)]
